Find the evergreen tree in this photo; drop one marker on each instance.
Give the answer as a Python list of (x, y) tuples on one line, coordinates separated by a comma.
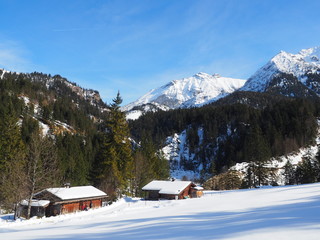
[(289, 173), (305, 172), (258, 153), (74, 154), (316, 166), (148, 165), (116, 161), (249, 180), (12, 160)]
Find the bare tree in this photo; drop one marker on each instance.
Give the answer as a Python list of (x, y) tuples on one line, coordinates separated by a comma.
[(13, 183), (42, 166)]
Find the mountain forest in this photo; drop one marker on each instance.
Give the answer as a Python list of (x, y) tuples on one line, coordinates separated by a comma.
[(53, 132), (50, 134)]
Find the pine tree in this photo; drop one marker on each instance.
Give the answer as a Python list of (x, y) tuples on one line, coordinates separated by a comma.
[(116, 161), (305, 172), (289, 173), (249, 178), (12, 160), (258, 153), (316, 166)]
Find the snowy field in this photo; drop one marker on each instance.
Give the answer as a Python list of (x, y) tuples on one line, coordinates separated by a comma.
[(269, 213)]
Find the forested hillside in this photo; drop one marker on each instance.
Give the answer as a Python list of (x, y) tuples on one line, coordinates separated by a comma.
[(254, 130), (54, 132)]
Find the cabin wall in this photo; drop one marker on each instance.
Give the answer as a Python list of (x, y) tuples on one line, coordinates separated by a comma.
[(168, 196), (35, 211), (153, 195), (185, 193), (80, 206), (196, 193), (53, 210), (96, 203), (70, 207)]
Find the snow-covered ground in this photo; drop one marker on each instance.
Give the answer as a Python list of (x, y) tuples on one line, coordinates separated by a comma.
[(286, 212)]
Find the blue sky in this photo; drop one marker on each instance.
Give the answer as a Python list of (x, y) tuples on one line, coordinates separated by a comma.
[(137, 45)]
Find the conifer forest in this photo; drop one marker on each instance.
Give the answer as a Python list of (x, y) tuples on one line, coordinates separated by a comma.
[(52, 133)]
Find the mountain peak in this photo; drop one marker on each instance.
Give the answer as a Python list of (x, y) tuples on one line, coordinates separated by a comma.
[(201, 75), (298, 65), (195, 91)]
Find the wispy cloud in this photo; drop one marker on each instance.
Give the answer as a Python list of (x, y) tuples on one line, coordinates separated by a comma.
[(14, 57)]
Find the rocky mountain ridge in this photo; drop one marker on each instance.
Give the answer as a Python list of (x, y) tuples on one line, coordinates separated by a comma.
[(51, 82), (195, 91), (288, 73)]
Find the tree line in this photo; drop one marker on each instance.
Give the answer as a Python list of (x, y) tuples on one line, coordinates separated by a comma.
[(98, 150), (255, 175), (234, 133), (118, 157)]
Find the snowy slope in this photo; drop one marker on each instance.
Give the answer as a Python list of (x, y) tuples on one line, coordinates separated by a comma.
[(286, 213), (306, 61), (176, 151), (194, 91)]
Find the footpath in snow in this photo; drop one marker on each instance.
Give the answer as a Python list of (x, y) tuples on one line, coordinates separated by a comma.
[(287, 212)]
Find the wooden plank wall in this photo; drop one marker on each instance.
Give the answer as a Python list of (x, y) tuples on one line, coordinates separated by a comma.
[(80, 206)]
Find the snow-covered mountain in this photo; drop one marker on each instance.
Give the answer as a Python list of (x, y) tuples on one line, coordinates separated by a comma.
[(286, 71), (194, 91)]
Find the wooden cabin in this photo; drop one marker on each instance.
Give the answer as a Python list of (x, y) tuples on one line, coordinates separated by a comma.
[(38, 208), (196, 192), (64, 200), (170, 190)]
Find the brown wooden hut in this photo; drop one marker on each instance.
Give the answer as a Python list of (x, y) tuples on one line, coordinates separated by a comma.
[(170, 190), (67, 200)]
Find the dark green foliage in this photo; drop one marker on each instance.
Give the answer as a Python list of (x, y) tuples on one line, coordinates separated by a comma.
[(305, 172), (148, 165), (75, 157), (289, 85), (257, 153), (316, 166), (59, 100), (249, 180), (28, 127), (249, 127), (235, 133), (12, 156), (88, 152), (313, 82), (115, 162), (289, 174)]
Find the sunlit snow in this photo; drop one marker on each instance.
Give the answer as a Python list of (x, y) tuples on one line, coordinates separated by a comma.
[(306, 61), (194, 91), (286, 213)]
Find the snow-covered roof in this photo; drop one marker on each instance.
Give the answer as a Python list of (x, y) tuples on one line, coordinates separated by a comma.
[(167, 187), (35, 203), (76, 192)]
